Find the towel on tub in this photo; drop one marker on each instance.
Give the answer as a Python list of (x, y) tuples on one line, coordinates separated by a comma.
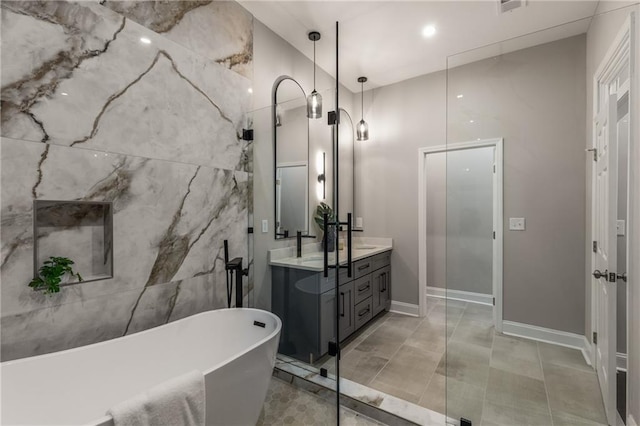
[(176, 402)]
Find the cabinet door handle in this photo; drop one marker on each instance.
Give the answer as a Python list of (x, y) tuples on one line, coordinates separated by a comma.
[(383, 278), (363, 267), (364, 287), (364, 311), (342, 310)]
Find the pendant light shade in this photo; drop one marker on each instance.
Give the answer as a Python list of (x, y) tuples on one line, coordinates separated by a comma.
[(314, 100), (362, 129), (314, 105)]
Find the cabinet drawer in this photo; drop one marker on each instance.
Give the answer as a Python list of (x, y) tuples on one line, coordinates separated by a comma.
[(363, 288), (363, 312), (343, 276), (362, 267), (381, 260)]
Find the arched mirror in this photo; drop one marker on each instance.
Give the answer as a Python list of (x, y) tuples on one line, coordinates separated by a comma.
[(346, 166), (291, 151)]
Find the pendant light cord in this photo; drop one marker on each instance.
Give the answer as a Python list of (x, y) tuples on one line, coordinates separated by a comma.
[(314, 65), (362, 101)]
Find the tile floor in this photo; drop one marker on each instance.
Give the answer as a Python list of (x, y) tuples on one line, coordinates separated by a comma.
[(487, 377), (288, 405)]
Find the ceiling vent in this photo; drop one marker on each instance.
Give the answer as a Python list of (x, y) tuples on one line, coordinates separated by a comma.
[(508, 5)]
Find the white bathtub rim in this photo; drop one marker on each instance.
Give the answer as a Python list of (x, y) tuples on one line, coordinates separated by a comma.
[(107, 418), (149, 330)]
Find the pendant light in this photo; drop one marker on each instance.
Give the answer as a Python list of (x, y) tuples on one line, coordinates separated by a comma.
[(362, 129), (314, 100)]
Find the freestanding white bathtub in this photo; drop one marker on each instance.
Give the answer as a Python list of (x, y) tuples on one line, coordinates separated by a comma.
[(78, 386)]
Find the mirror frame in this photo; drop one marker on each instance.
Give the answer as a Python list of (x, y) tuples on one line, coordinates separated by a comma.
[(274, 105), (353, 166)]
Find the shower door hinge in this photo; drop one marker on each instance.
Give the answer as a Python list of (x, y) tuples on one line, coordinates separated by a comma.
[(494, 235), (334, 350), (594, 246), (465, 422), (250, 230), (595, 153), (595, 338), (494, 168), (494, 301), (247, 134), (332, 118)]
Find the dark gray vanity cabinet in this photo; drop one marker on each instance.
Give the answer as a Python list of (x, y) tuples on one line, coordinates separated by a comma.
[(305, 301), (381, 279), (347, 314)]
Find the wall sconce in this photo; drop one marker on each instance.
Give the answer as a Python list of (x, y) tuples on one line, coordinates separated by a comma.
[(322, 179), (362, 129), (314, 100)]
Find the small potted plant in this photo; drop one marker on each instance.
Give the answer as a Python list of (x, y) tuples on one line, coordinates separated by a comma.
[(51, 273), (328, 238)]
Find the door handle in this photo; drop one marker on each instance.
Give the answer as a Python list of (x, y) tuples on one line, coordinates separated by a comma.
[(622, 277), (597, 274)]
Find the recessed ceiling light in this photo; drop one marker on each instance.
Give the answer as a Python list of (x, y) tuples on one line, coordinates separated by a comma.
[(250, 90), (460, 96), (428, 31), (471, 121), (145, 40), (64, 94)]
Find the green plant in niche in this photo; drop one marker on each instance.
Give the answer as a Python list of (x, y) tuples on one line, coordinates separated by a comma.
[(51, 273), (319, 216)]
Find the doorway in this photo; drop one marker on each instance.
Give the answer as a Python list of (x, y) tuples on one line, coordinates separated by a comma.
[(610, 220), (460, 224)]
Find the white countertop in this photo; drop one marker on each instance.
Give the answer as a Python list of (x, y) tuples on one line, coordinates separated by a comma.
[(313, 258)]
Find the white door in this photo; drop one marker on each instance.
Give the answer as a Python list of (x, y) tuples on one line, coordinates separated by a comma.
[(605, 214)]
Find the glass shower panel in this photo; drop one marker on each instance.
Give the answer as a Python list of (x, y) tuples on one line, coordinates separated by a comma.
[(516, 178), (302, 298)]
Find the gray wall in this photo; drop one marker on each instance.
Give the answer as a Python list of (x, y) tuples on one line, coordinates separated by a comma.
[(534, 99), (602, 32)]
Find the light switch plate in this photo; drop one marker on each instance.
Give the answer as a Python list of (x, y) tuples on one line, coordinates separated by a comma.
[(358, 222), (620, 227), (516, 224), (265, 226)]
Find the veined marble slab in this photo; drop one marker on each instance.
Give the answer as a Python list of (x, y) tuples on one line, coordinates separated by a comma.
[(312, 256), (79, 74), (170, 220), (189, 23)]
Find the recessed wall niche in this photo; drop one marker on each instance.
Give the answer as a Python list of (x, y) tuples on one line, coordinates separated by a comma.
[(79, 230)]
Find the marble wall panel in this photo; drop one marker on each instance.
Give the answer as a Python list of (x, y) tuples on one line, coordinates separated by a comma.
[(188, 23), (110, 102)]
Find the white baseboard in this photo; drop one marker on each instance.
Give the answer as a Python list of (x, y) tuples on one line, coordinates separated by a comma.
[(587, 351), (405, 308), (621, 361), (548, 335), (465, 296), (631, 421)]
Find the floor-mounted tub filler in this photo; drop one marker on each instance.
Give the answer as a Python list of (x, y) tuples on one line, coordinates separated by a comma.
[(235, 349)]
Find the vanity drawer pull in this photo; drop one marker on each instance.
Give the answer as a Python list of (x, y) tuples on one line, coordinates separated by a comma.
[(364, 287), (363, 267), (364, 312)]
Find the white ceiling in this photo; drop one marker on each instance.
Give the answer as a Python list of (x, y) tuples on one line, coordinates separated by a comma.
[(383, 39)]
